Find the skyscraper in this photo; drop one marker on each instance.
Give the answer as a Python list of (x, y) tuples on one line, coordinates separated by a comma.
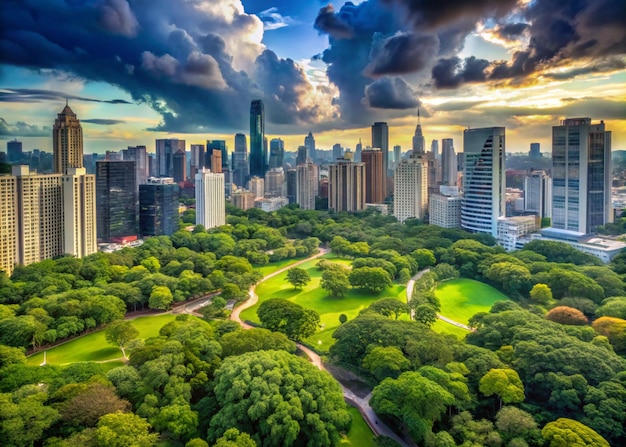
[(418, 138), (165, 150), (581, 175), (307, 180), (8, 223), (258, 149), (67, 141), (240, 160), (215, 161), (180, 166), (197, 159), (448, 162), (358, 151), (14, 151), (301, 155), (411, 189), (374, 178), (79, 213), (210, 202), (257, 186), (158, 207), (211, 147), (380, 139), (275, 183), (346, 186), (116, 199), (538, 193), (483, 179), (140, 156), (397, 155), (337, 152), (535, 150), (434, 148), (277, 153), (291, 184), (309, 142)]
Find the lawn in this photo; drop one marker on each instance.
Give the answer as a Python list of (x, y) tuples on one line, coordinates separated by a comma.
[(273, 266), (94, 348), (441, 327), (462, 298), (360, 434), (314, 297)]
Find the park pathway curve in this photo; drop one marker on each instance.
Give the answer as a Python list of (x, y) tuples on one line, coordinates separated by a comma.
[(377, 426)]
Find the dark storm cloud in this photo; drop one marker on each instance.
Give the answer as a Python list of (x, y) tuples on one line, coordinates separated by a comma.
[(38, 95), (511, 31), (193, 62), (329, 23), (402, 53), (22, 129), (451, 73), (390, 93), (603, 67), (102, 121)]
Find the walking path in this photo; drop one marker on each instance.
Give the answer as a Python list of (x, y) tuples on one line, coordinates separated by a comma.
[(377, 426), (409, 292)]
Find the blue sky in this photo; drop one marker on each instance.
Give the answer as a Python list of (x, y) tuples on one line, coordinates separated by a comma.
[(138, 70)]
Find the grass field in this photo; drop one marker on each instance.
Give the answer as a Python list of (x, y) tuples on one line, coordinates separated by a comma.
[(442, 327), (272, 267), (94, 348), (314, 297), (462, 298), (359, 435)]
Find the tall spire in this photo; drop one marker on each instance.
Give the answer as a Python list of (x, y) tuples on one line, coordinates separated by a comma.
[(418, 116)]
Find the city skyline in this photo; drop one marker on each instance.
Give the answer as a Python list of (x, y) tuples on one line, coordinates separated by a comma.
[(507, 63)]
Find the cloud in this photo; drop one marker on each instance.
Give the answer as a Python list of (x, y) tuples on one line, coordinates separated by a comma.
[(402, 53), (272, 19), (390, 93), (102, 121), (22, 129), (197, 63), (39, 95)]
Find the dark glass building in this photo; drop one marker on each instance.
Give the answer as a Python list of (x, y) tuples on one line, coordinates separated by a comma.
[(116, 199), (158, 207), (258, 149)]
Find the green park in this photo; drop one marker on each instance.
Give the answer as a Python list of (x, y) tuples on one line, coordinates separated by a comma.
[(462, 298)]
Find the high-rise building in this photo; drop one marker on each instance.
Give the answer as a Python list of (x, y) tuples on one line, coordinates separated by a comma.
[(358, 151), (215, 161), (257, 186), (301, 155), (243, 199), (210, 202), (337, 151), (434, 170), (14, 151), (374, 177), (397, 155), (418, 138), (581, 175), (140, 156), (275, 183), (8, 223), (67, 141), (165, 150), (291, 183), (197, 159), (116, 199), (346, 186), (309, 142), (158, 207), (180, 166), (307, 179), (448, 162), (240, 160), (434, 148), (277, 153), (483, 179), (79, 213), (535, 150), (538, 193), (211, 147), (411, 189), (380, 139), (258, 147), (445, 210)]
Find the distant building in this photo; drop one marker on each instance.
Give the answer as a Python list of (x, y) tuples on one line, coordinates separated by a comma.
[(67, 141), (434, 148), (418, 138), (380, 139), (538, 193), (277, 153), (302, 155), (241, 169), (215, 161), (271, 204), (483, 179), (210, 202), (358, 152), (511, 229), (243, 199), (307, 181), (165, 150), (274, 182), (411, 189), (382, 208), (116, 199), (448, 163), (258, 147), (445, 210), (158, 207), (346, 186), (397, 155), (374, 176), (309, 142), (139, 155), (197, 159), (79, 213), (291, 185), (257, 186), (14, 151), (180, 167), (535, 150), (337, 152)]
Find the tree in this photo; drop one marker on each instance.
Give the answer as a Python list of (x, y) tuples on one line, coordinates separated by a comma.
[(256, 339), (614, 329), (424, 257), (23, 421), (425, 314), (389, 307), (385, 362), (510, 277), (84, 409), (289, 318), (567, 315), (566, 432), (298, 277), (119, 333), (413, 399), (124, 429), (343, 318), (160, 298), (505, 383), (234, 438), (374, 279), (541, 294), (613, 307), (280, 398), (335, 282), (515, 423)]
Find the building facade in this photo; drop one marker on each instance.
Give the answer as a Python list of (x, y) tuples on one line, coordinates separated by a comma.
[(380, 140), (444, 211), (243, 199), (139, 155), (511, 229), (277, 153), (448, 162), (346, 186), (14, 151), (116, 200), (180, 167), (581, 175), (258, 148), (411, 189), (67, 141), (275, 182), (79, 213), (307, 178), (165, 150), (158, 207), (374, 176), (210, 202), (538, 193), (257, 186), (483, 179), (309, 142)]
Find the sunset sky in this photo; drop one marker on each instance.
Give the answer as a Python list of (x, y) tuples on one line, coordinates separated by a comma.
[(138, 70)]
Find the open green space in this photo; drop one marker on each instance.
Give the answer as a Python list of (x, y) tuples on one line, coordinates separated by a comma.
[(360, 434), (441, 327), (94, 347), (312, 296), (462, 298), (274, 266)]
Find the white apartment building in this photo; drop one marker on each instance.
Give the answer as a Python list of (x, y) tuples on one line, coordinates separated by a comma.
[(210, 201), (411, 189), (511, 229)]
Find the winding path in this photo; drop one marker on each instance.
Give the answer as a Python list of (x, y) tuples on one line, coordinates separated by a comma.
[(377, 426)]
